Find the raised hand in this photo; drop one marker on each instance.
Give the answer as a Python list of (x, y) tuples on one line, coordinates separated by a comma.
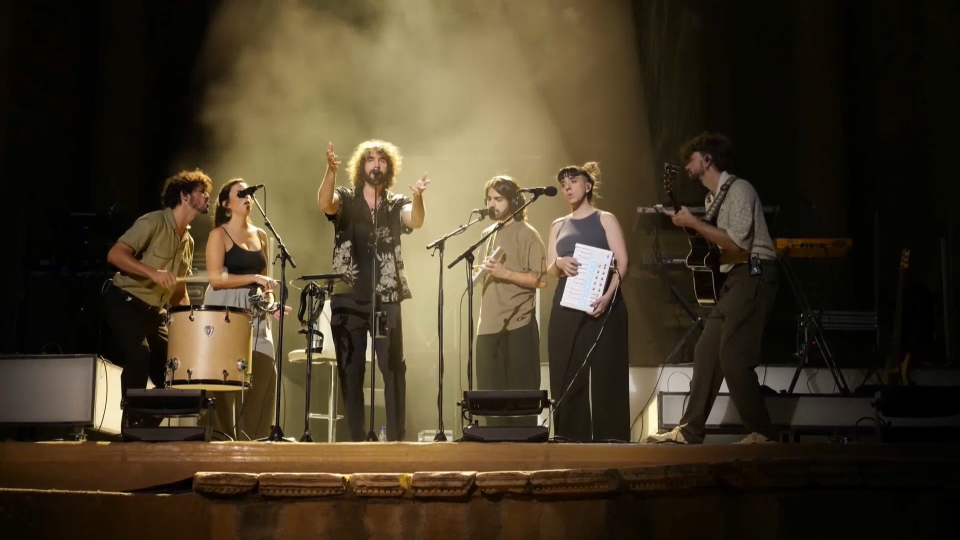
[(332, 162), (420, 186)]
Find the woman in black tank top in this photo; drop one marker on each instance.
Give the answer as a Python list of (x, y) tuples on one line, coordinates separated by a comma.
[(236, 250), (583, 361)]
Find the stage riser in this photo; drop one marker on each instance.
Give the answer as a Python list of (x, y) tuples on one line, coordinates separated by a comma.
[(808, 413), (762, 513)]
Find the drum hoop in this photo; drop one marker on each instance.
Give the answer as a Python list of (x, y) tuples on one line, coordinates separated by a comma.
[(209, 307)]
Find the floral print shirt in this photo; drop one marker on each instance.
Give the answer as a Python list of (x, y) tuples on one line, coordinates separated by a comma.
[(352, 226)]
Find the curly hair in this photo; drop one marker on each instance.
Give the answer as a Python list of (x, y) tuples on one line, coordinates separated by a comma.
[(508, 188), (389, 151), (590, 170), (222, 215), (716, 145), (183, 183)]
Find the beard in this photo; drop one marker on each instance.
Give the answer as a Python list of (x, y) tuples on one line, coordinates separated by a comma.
[(200, 207), (375, 180)]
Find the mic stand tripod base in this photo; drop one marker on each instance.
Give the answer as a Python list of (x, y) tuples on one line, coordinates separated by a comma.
[(276, 435)]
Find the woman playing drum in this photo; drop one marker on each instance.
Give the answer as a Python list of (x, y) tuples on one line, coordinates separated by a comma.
[(236, 252)]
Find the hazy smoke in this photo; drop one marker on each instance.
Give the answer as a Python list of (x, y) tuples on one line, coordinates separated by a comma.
[(466, 89)]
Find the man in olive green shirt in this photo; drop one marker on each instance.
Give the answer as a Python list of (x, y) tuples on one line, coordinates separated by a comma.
[(508, 336), (149, 257)]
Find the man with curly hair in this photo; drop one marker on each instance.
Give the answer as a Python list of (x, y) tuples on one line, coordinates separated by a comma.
[(149, 257), (358, 252)]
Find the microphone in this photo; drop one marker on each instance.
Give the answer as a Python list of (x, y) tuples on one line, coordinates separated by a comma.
[(549, 191), (249, 191), (484, 212), (376, 176)]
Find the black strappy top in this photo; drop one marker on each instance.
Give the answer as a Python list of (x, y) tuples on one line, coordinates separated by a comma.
[(239, 261)]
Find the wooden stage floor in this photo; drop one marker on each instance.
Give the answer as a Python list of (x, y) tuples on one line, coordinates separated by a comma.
[(130, 466)]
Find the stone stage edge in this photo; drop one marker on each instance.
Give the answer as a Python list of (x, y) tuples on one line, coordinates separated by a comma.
[(232, 490)]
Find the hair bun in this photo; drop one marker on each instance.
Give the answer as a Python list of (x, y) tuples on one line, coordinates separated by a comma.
[(593, 168)]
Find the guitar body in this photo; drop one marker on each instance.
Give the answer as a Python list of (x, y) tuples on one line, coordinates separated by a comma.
[(704, 262), (704, 257)]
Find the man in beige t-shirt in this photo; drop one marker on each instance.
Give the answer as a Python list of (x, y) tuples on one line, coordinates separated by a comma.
[(155, 251), (508, 336)]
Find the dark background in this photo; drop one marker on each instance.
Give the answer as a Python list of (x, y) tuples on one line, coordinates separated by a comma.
[(842, 113)]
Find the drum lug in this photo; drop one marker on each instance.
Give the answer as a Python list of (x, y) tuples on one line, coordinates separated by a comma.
[(191, 317), (189, 374), (226, 375), (226, 317)]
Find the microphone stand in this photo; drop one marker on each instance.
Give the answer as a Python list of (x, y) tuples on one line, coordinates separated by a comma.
[(439, 245), (374, 314), (468, 256), (276, 432)]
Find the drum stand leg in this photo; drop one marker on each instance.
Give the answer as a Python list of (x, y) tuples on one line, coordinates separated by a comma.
[(312, 291), (238, 419), (306, 437)]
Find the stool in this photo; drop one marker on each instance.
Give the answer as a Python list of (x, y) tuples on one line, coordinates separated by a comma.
[(331, 416)]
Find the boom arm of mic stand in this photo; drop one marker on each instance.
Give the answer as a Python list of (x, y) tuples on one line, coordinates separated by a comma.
[(284, 254), (276, 433), (500, 225), (439, 242)]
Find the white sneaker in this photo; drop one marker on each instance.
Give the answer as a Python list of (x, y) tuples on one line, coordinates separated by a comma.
[(672, 436), (755, 438)]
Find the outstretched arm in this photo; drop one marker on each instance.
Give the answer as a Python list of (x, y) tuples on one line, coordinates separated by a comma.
[(414, 212), (327, 197)]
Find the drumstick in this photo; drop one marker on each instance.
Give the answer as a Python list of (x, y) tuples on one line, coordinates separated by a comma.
[(202, 277)]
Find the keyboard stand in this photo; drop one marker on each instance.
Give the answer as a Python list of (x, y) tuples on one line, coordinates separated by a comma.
[(696, 320), (809, 323)]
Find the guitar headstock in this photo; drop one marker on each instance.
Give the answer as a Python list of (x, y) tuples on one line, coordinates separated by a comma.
[(670, 173), (904, 259)]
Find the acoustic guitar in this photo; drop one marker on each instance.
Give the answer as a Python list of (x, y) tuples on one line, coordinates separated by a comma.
[(703, 260)]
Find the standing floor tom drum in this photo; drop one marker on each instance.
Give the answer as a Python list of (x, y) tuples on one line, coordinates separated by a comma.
[(209, 348)]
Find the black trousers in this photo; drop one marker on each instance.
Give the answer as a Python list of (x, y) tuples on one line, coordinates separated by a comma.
[(730, 348), (139, 331), (509, 361), (606, 382), (350, 323)]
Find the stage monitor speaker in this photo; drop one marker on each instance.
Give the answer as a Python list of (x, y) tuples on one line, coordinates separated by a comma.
[(506, 434), (164, 434), (505, 402), (165, 402), (52, 390)]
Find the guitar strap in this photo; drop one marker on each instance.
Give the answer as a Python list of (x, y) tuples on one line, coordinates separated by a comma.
[(711, 215)]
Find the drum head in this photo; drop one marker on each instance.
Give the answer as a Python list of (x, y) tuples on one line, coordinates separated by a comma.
[(209, 307)]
